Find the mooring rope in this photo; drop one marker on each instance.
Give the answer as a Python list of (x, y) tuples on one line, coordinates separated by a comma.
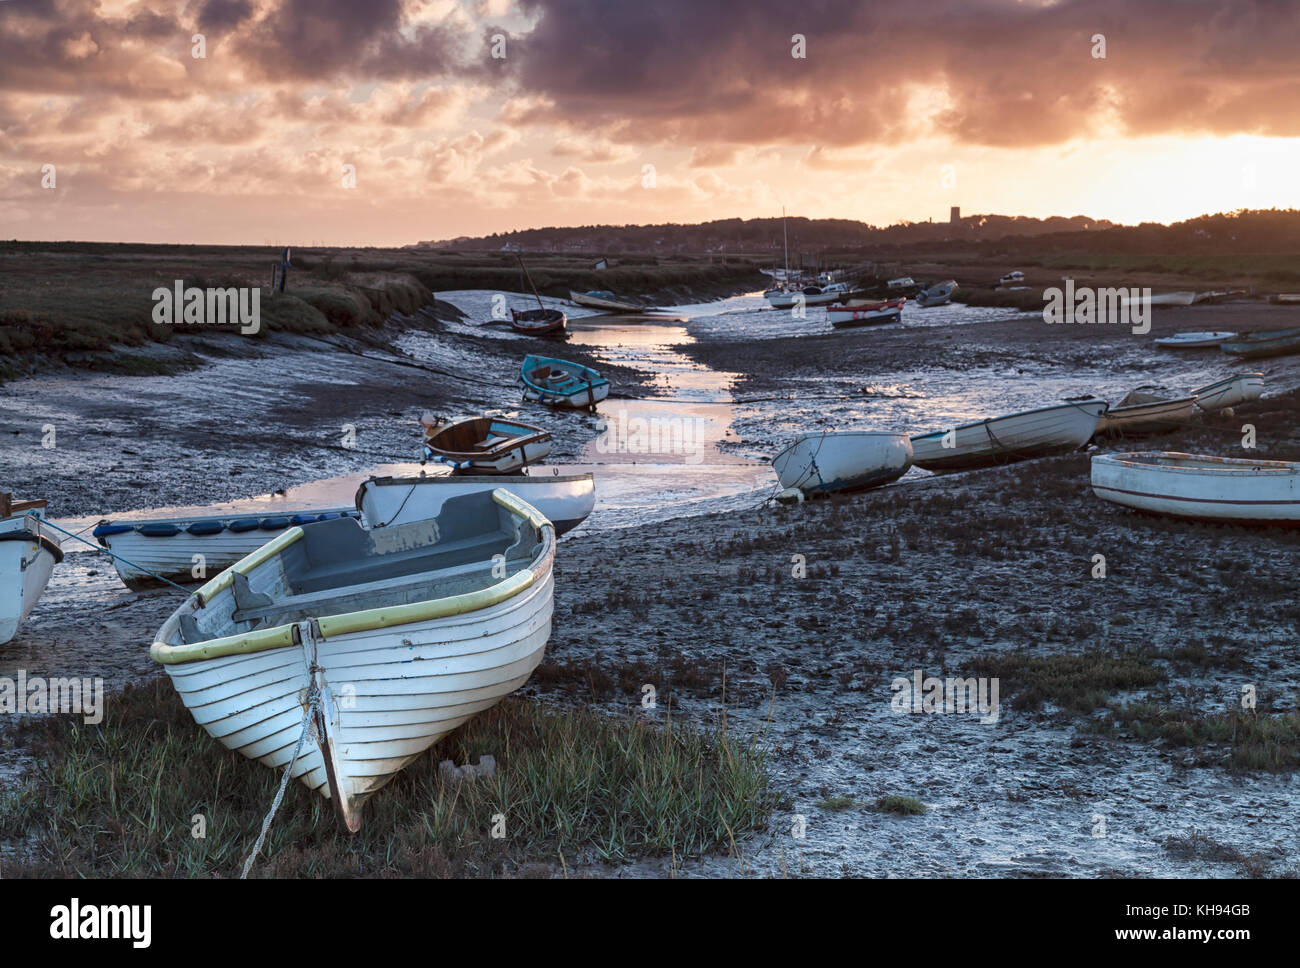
[(104, 551), (313, 701)]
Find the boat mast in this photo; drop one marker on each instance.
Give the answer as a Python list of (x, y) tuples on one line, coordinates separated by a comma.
[(530, 281), (785, 239)]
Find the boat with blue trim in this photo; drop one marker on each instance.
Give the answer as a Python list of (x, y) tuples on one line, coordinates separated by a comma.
[(560, 383), (29, 550), (483, 445)]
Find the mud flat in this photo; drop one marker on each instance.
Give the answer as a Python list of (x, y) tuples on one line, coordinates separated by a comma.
[(1105, 756)]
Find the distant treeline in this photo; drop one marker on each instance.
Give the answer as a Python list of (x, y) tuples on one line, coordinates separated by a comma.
[(1269, 230)]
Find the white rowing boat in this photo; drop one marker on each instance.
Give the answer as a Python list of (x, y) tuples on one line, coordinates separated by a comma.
[(384, 640), (1196, 486), (940, 294), (565, 500), (607, 301), (484, 445), (843, 460), (1192, 341), (1230, 391), (29, 550), (1003, 440), (191, 549), (1141, 413)]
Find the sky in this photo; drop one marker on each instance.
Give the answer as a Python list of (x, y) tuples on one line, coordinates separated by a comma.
[(385, 122)]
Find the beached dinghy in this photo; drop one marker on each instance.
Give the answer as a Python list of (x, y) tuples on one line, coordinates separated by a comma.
[(940, 294), (1193, 341), (606, 301), (565, 500), (889, 311), (1230, 391), (843, 461), (1253, 346), (192, 549), (1003, 440), (1142, 413), (391, 638), (29, 550), (539, 322), (1196, 486), (484, 445), (561, 383)]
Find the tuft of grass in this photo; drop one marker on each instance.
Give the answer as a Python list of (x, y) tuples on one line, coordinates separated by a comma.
[(903, 806), (1241, 741), (837, 804), (1076, 683), (125, 798)]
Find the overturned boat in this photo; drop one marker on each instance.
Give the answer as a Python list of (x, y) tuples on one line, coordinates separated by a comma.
[(383, 641), (483, 445), (564, 499), (843, 460), (560, 383), (1230, 391), (1197, 486), (1210, 339), (606, 301), (1044, 432), (29, 550)]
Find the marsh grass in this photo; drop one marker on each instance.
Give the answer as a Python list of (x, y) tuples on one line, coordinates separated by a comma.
[(1239, 740), (903, 806), (1076, 683), (121, 799)]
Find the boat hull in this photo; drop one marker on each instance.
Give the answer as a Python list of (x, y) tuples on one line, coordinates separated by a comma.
[(574, 386), (1200, 487), (388, 501), (1259, 346), (378, 680), (591, 301), (538, 322), (1016, 437), (848, 316), (843, 461), (1146, 418), (1194, 341), (28, 553), (1230, 392), (187, 558)]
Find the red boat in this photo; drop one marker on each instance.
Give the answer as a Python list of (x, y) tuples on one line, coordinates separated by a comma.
[(539, 322), (882, 312)]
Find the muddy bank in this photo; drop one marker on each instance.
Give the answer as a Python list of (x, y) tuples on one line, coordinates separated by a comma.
[(255, 416), (949, 576)]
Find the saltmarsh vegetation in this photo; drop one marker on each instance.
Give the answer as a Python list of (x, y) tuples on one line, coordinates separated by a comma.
[(572, 786)]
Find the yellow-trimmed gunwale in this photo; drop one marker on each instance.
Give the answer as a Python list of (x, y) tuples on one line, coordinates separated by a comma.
[(333, 625)]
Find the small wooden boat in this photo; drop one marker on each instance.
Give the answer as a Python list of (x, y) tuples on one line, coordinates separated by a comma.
[(484, 445), (1140, 414), (1196, 486), (842, 317), (843, 461), (1287, 298), (29, 550), (807, 296), (384, 640), (560, 383), (940, 294), (565, 500), (539, 322), (1002, 440), (607, 301), (1230, 391), (1252, 346), (1193, 341), (174, 548)]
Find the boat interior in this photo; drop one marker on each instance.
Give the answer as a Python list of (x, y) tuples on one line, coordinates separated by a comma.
[(338, 567), (1207, 463), (479, 436)]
